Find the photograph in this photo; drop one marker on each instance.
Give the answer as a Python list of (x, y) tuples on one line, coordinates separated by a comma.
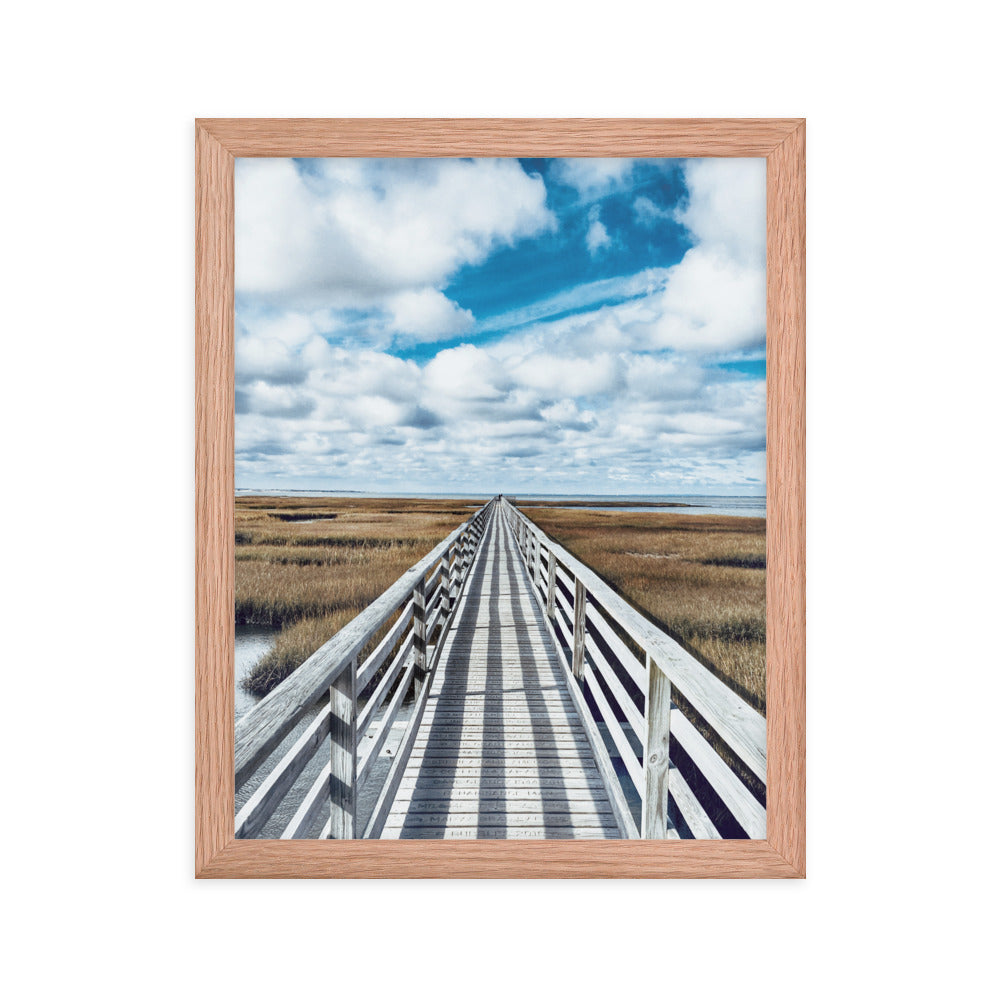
[(500, 498)]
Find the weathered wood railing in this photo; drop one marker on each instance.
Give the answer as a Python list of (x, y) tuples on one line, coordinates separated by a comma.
[(422, 601), (629, 698)]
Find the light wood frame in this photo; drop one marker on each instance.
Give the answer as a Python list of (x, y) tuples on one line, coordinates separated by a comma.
[(217, 853)]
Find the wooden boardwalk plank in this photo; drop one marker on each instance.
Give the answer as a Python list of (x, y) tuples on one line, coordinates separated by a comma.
[(501, 750)]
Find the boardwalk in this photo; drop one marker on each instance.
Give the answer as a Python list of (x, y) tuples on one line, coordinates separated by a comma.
[(500, 751), (501, 689)]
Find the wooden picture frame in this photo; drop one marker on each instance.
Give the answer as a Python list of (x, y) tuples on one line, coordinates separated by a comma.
[(217, 853)]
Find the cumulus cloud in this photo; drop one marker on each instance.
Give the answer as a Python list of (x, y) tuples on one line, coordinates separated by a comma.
[(712, 302), (592, 176), (342, 234), (555, 374), (465, 372), (358, 250), (264, 358), (427, 314), (613, 385), (714, 299), (726, 209), (272, 400), (648, 213), (565, 413), (597, 234)]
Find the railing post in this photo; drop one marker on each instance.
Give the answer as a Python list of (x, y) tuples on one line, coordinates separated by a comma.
[(420, 628), (454, 555), (656, 758), (550, 597), (446, 584), (344, 753), (538, 561), (466, 552), (579, 627)]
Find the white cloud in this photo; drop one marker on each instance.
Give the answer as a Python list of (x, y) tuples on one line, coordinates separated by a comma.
[(593, 176), (651, 377), (597, 234), (559, 375), (345, 373), (290, 329), (465, 373), (567, 414), (580, 297), (262, 358), (427, 315), (648, 213), (707, 303), (350, 233), (727, 206), (597, 237), (626, 396), (712, 302), (273, 400)]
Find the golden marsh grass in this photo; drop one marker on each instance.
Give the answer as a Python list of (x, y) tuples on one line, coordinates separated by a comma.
[(310, 565), (700, 577)]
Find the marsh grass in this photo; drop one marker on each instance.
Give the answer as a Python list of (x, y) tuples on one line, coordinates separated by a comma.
[(699, 577), (309, 566), (741, 560)]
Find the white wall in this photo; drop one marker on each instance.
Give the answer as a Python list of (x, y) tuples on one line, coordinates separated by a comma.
[(98, 421)]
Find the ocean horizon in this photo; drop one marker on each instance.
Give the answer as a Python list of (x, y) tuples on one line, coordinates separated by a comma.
[(731, 505)]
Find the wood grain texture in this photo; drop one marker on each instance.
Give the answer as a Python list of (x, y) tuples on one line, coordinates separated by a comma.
[(500, 136), (343, 779), (217, 853), (215, 628), (498, 859), (654, 802), (786, 499), (579, 626)]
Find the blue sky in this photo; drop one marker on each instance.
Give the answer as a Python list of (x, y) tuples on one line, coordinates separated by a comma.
[(583, 326)]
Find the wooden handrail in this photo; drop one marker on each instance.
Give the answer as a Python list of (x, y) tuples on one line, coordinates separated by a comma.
[(577, 624), (271, 720)]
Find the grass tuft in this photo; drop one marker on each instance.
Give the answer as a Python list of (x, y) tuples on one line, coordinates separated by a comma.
[(741, 560)]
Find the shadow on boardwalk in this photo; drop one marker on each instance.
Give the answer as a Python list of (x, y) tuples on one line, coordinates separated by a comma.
[(501, 752)]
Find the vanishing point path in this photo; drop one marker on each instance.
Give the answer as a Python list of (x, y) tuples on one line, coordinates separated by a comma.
[(500, 752), (500, 689)]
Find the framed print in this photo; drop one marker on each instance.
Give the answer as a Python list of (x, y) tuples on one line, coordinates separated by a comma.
[(500, 498)]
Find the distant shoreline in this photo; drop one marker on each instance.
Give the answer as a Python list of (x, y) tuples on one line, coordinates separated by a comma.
[(603, 503), (631, 499), (691, 504), (733, 505)]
